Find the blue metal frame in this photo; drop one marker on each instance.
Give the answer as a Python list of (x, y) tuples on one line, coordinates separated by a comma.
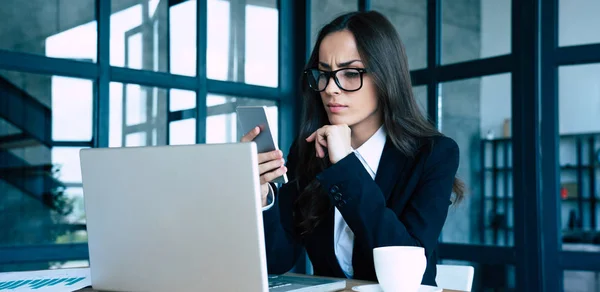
[(575, 55), (475, 68), (242, 89), (101, 97), (529, 243), (579, 261), (364, 5), (550, 205), (294, 38), (72, 144), (152, 79), (46, 65), (434, 27), (201, 82)]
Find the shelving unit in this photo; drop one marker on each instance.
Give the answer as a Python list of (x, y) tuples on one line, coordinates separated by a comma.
[(496, 188)]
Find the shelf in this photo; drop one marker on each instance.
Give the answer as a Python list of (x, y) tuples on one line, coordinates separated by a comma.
[(563, 167), (575, 199)]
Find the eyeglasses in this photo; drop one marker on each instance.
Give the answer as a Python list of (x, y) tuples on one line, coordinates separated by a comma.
[(347, 79)]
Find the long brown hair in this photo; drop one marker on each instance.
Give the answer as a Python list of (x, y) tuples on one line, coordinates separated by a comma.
[(382, 52)]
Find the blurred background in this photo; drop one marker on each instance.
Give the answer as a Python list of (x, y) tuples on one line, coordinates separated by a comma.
[(515, 83)]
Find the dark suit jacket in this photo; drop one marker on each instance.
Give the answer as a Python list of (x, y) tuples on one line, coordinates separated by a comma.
[(406, 204)]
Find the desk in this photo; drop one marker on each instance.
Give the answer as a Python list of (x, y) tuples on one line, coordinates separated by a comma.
[(349, 285), (352, 283)]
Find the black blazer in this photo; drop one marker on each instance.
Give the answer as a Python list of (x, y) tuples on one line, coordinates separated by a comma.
[(406, 204)]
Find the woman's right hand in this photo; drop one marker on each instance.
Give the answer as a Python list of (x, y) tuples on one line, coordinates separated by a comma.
[(271, 165)]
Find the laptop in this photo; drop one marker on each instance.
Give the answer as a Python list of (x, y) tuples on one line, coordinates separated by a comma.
[(179, 218)]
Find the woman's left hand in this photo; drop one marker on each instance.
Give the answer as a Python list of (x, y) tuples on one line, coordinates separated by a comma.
[(336, 138)]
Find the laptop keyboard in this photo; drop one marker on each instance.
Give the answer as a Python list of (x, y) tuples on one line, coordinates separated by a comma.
[(278, 284)]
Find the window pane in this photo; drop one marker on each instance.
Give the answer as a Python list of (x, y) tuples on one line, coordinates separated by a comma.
[(475, 29), (137, 115), (138, 36), (181, 100), (182, 32), (486, 277), (578, 22), (581, 281), (410, 19), (322, 12), (60, 29), (579, 126), (41, 199), (67, 101), (476, 113), (243, 41), (221, 123), (182, 132)]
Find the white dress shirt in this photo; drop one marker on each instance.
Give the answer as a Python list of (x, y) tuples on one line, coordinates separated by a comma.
[(343, 238)]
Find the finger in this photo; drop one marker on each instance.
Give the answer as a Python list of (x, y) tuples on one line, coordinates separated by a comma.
[(270, 176), (251, 135), (311, 137), (270, 165), (268, 156), (320, 151), (322, 140)]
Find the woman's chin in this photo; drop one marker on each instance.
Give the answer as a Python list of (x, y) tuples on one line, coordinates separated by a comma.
[(337, 120)]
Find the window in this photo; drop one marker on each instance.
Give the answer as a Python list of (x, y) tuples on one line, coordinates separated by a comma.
[(475, 29), (476, 114), (41, 182), (579, 150), (578, 22), (243, 41), (221, 124), (138, 36), (137, 115)]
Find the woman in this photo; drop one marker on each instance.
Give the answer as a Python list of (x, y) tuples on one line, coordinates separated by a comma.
[(367, 170)]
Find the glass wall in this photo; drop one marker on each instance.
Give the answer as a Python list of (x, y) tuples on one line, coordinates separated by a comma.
[(44, 122), (46, 119), (127, 74), (476, 113), (243, 40)]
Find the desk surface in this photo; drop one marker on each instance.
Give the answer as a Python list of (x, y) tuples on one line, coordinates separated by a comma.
[(349, 285)]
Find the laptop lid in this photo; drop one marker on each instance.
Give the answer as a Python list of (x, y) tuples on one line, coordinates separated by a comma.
[(174, 218)]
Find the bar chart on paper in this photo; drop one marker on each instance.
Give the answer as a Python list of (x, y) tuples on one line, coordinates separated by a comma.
[(46, 280)]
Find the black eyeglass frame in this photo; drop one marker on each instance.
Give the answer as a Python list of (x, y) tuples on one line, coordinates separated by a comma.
[(330, 74)]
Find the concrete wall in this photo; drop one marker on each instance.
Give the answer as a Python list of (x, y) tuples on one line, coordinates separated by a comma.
[(460, 114)]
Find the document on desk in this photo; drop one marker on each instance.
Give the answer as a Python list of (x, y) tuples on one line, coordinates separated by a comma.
[(46, 280)]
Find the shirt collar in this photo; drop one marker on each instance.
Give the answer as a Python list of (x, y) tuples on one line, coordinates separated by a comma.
[(372, 149)]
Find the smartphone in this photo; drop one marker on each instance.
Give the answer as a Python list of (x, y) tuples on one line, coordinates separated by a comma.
[(250, 117)]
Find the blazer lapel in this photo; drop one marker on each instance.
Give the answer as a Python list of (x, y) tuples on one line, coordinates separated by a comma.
[(392, 163)]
